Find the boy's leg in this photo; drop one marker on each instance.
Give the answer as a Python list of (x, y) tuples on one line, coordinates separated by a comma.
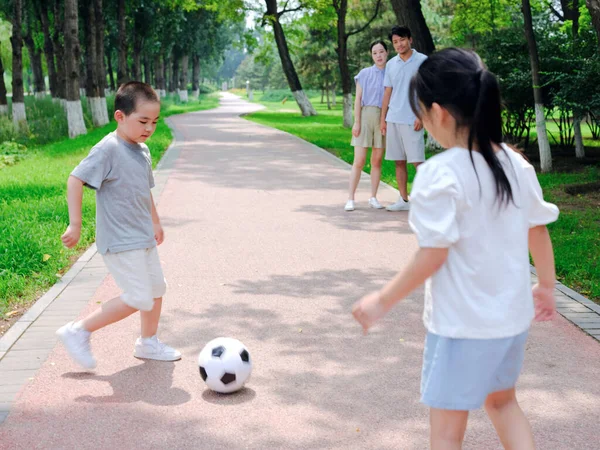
[(110, 312), (149, 319), (360, 156), (509, 420), (376, 159), (447, 428)]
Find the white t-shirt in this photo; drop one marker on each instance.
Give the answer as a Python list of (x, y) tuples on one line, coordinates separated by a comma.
[(483, 290)]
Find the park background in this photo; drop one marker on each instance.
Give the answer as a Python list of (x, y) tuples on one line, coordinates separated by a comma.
[(62, 61)]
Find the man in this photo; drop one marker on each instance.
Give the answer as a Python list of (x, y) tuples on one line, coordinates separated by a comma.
[(405, 137)]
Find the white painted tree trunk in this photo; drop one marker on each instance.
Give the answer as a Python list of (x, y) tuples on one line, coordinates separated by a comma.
[(542, 136), (3, 110), (183, 95), (81, 92), (19, 115), (304, 103), (196, 94), (75, 119), (579, 148), (40, 95), (105, 109), (333, 99), (99, 112), (162, 93), (347, 110)]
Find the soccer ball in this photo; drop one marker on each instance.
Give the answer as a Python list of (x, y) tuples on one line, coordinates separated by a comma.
[(225, 365)]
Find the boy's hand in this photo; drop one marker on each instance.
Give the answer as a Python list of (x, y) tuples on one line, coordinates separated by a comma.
[(368, 310), (71, 236), (159, 234), (356, 130), (545, 304)]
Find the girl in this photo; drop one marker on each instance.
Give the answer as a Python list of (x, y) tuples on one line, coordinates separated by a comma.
[(476, 210), (366, 132)]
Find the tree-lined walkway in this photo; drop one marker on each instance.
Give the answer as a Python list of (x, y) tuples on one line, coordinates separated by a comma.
[(259, 248)]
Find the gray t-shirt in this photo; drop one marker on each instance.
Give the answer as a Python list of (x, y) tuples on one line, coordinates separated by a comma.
[(121, 175)]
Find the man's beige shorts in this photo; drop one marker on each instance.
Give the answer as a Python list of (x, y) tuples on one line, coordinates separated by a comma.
[(370, 131), (139, 275), (404, 143)]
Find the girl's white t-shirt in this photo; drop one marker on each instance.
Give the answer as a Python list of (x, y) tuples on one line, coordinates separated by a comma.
[(483, 290)]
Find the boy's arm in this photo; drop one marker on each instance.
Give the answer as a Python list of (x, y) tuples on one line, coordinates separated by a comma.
[(384, 109), (74, 198), (159, 234), (540, 247), (357, 111)]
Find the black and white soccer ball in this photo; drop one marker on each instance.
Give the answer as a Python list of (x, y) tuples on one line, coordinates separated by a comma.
[(225, 365)]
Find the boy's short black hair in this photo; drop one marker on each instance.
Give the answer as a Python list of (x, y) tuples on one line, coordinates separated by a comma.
[(403, 32), (130, 93), (378, 41)]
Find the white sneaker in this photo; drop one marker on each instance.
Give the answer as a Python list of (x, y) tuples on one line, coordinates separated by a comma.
[(374, 203), (400, 205), (349, 205), (153, 348), (77, 342)]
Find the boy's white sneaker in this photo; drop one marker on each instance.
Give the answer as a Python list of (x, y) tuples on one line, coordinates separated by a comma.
[(374, 203), (400, 205), (77, 342), (153, 348), (349, 205)]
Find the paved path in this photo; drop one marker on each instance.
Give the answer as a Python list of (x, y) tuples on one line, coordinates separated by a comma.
[(259, 248)]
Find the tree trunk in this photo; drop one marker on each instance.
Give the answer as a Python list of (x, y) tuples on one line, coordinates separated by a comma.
[(342, 52), (18, 97), (174, 73), (72, 58), (111, 74), (159, 75), (594, 8), (322, 95), (48, 47), (328, 99), (410, 14), (3, 99), (183, 78), (59, 51), (333, 96), (138, 42), (196, 76), (286, 61), (100, 53), (35, 59), (579, 147), (122, 65), (540, 119), (166, 72), (147, 74)]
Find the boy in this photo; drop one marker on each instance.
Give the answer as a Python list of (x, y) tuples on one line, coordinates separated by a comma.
[(403, 131), (128, 228)]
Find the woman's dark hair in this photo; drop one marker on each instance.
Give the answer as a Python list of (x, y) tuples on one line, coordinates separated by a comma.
[(457, 80), (403, 32), (380, 42)]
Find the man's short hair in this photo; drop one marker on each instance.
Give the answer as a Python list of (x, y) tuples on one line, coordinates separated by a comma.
[(132, 92), (403, 32)]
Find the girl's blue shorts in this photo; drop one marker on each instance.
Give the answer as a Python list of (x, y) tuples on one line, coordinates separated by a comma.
[(458, 374)]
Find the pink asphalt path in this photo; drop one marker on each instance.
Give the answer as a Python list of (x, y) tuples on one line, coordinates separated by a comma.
[(258, 247)]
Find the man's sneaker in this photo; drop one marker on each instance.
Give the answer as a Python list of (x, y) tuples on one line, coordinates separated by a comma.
[(374, 203), (153, 348), (349, 205), (400, 205), (77, 342)]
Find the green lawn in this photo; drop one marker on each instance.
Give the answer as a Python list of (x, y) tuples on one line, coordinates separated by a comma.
[(576, 235), (34, 214)]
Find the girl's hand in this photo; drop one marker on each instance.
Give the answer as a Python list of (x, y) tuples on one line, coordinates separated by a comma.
[(159, 234), (545, 303), (356, 130), (368, 310), (70, 238), (383, 127)]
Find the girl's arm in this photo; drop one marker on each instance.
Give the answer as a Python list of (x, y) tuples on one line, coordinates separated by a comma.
[(374, 306), (387, 95), (357, 110), (540, 247)]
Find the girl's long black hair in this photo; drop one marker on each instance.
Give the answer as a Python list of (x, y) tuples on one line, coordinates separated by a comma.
[(457, 80)]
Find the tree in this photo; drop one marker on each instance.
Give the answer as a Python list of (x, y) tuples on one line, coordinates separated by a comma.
[(594, 8), (3, 99), (122, 43), (35, 53), (410, 14), (72, 58), (272, 16), (42, 15), (341, 9), (59, 51), (540, 118), (93, 61), (16, 40)]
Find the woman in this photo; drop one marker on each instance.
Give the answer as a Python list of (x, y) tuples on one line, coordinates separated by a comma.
[(366, 132)]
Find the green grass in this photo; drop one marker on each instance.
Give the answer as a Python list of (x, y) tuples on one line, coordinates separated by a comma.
[(576, 235), (34, 213)]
